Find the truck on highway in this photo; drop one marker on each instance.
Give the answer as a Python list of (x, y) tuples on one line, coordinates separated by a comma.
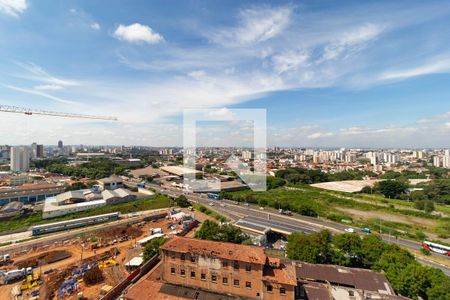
[(284, 212)]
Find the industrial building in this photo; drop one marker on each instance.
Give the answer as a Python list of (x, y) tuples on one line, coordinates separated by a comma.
[(81, 200), (179, 170), (110, 183), (205, 269), (30, 193)]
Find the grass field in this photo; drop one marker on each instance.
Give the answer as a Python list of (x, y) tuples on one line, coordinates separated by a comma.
[(147, 203), (396, 217)]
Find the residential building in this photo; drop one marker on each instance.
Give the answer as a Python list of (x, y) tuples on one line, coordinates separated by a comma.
[(20, 159)]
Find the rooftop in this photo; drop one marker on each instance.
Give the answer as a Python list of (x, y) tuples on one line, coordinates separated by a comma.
[(352, 277), (229, 251)]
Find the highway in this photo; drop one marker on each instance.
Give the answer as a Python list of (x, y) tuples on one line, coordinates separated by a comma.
[(258, 220)]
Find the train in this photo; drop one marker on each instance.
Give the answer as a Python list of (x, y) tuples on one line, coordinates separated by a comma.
[(71, 224)]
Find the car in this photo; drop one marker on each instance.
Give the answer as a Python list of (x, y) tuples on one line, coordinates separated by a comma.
[(211, 204), (350, 230), (246, 204), (261, 208), (366, 230), (222, 205)]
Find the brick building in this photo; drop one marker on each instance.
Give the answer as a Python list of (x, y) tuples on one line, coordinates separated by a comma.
[(226, 268), (209, 270)]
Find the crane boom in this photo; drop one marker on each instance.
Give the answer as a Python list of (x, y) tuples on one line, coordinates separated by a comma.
[(29, 111)]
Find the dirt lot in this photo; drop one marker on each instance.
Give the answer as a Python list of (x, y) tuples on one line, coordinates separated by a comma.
[(89, 247), (364, 215)]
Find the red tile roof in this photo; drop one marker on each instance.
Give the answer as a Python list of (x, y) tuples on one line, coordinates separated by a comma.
[(229, 251)]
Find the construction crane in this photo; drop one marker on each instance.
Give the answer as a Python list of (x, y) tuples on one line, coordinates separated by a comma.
[(29, 111)]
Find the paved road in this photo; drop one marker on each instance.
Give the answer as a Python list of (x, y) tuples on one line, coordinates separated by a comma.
[(258, 220)]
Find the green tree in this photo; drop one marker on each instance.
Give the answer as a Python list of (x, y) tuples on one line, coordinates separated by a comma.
[(182, 201), (152, 248), (391, 188), (349, 246), (313, 248), (211, 230)]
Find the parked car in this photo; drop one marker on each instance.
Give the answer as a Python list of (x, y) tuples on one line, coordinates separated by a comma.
[(211, 204), (350, 230)]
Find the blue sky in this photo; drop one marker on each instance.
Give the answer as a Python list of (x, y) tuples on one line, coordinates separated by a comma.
[(329, 73)]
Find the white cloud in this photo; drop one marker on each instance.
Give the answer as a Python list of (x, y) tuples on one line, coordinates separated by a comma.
[(319, 135), (39, 74), (95, 26), (13, 7), (198, 74), (289, 60), (39, 93), (137, 33), (352, 40), (48, 87), (257, 24), (438, 66)]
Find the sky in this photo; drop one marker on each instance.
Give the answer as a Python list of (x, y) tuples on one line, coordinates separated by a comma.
[(329, 73)]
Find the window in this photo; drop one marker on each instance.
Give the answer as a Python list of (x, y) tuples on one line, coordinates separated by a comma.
[(192, 258), (192, 274), (183, 256), (248, 284), (351, 293), (236, 282), (224, 263), (248, 268), (203, 276), (225, 280), (236, 265), (172, 271), (283, 291), (214, 278), (182, 272), (172, 254), (269, 288)]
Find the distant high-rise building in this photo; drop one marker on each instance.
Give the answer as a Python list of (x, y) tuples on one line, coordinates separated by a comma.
[(446, 159), (437, 161), (37, 151), (60, 148), (247, 155), (20, 159)]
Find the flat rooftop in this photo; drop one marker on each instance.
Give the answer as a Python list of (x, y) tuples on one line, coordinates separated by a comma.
[(348, 186)]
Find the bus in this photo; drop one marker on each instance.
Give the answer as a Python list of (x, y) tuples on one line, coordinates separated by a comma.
[(438, 248), (71, 224), (214, 196)]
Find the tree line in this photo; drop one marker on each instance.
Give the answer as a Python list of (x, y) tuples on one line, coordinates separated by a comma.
[(406, 275)]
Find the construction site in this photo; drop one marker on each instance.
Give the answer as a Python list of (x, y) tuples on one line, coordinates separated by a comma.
[(88, 266)]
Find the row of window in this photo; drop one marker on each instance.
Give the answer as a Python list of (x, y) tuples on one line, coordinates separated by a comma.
[(236, 282), (248, 267)]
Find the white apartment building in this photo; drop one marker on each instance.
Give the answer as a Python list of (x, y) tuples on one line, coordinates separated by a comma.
[(20, 159)]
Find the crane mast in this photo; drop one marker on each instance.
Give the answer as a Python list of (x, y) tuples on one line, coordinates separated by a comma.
[(29, 111)]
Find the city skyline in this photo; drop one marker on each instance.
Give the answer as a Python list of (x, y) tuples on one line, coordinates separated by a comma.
[(326, 80)]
